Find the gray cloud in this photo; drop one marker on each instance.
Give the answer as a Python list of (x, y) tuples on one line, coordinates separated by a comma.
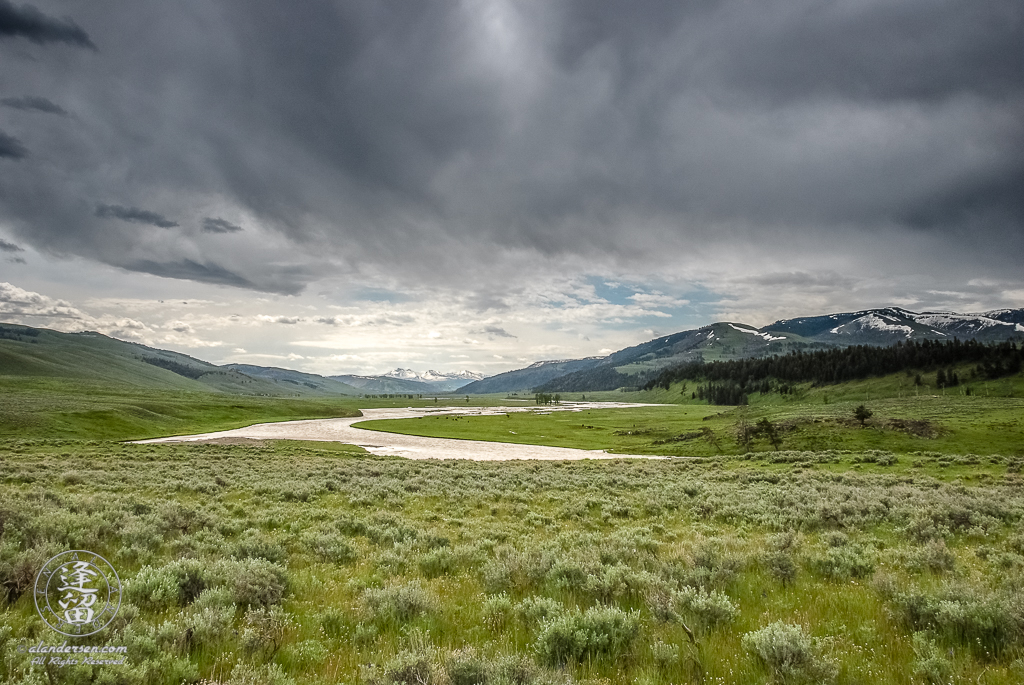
[(30, 102), (9, 247), (11, 147), (456, 143), (134, 215), (28, 22), (191, 270), (495, 331), (214, 225)]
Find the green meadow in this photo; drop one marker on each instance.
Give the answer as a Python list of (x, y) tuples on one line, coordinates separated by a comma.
[(905, 419), (826, 550), (279, 562)]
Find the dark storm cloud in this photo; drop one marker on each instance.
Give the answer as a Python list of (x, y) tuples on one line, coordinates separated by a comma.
[(11, 147), (9, 247), (134, 215), (191, 270), (436, 139), (214, 225), (28, 22), (34, 103)]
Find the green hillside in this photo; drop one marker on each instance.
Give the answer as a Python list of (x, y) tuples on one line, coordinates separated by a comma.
[(90, 386), (90, 356)]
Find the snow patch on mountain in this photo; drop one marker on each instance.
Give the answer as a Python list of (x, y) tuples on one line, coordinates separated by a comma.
[(873, 322), (767, 336)]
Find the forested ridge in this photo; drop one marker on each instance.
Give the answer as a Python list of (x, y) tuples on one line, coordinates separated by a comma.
[(731, 380)]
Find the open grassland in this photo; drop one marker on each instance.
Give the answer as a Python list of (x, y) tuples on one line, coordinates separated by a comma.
[(905, 419), (97, 410), (296, 563)]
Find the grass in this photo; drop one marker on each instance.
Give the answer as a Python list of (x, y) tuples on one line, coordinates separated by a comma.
[(91, 409), (313, 563), (888, 553), (986, 422)]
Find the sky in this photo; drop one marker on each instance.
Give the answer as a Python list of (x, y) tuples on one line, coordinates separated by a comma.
[(351, 186)]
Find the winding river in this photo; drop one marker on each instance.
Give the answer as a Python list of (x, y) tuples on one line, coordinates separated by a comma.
[(414, 446)]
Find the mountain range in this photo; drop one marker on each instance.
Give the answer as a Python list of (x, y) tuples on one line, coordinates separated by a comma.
[(731, 340), (408, 381), (41, 353)]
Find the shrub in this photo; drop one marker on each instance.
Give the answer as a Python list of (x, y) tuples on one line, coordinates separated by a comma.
[(665, 656), (465, 667), (989, 623), (788, 653), (842, 563), (255, 582), (710, 608), (178, 583), (264, 630), (929, 661), (935, 556), (253, 544), (207, 627), (594, 633), (250, 674), (330, 547), (406, 668), (536, 608), (781, 566), (513, 569), (18, 569), (398, 603), (497, 611), (437, 562)]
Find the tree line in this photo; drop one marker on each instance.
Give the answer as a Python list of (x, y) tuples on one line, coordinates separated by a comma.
[(728, 382)]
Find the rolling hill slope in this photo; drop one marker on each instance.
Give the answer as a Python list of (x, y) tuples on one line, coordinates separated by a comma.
[(27, 352), (532, 376)]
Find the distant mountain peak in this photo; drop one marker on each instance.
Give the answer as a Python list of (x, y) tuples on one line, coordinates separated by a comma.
[(433, 376)]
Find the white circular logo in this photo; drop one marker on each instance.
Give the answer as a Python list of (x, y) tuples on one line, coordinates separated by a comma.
[(77, 593)]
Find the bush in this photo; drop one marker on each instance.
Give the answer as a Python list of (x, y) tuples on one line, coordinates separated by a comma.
[(845, 562), (537, 608), (18, 569), (406, 668), (255, 582), (594, 633), (711, 609), (497, 612), (330, 547), (264, 630), (788, 653), (398, 603), (437, 562), (178, 583), (929, 661), (465, 667), (990, 623), (253, 544)]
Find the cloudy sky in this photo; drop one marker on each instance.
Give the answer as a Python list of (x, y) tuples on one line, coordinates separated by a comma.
[(354, 185)]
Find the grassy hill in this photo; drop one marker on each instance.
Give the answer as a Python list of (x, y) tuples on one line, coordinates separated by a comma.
[(88, 385), (41, 353)]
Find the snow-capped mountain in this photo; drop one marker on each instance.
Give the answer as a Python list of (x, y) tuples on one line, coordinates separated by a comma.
[(432, 376), (891, 324)]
